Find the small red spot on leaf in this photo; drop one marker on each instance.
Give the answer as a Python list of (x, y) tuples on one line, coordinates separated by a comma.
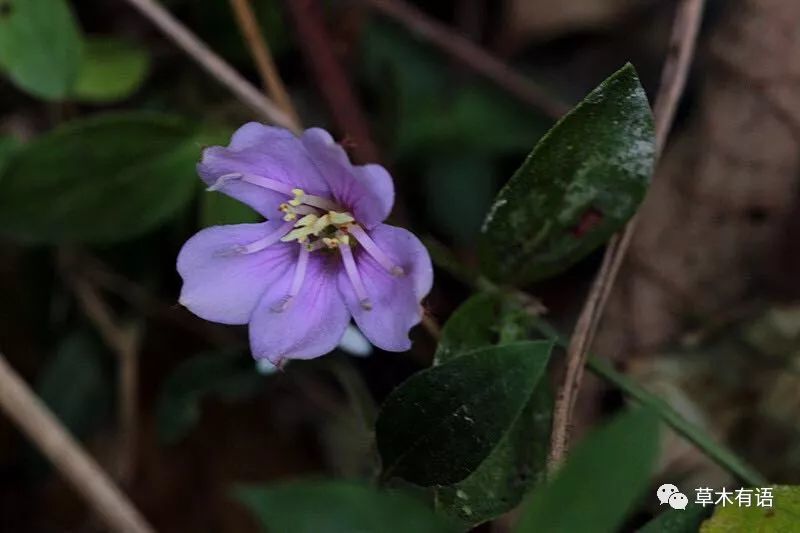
[(589, 220)]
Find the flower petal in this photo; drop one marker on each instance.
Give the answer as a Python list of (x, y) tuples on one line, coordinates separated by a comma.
[(225, 287), (368, 190), (264, 151), (395, 299), (312, 323)]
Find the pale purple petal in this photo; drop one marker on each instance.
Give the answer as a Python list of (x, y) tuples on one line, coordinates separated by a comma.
[(366, 191), (222, 286), (265, 151), (312, 323), (396, 300)]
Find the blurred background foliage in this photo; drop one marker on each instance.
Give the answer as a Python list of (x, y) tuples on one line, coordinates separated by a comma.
[(102, 120)]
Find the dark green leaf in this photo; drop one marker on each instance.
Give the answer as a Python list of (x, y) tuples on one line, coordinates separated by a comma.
[(435, 108), (217, 208), (229, 375), (580, 184), (74, 385), (471, 326), (338, 507), (677, 520), (442, 423), (40, 46), (112, 69), (8, 145), (600, 482), (518, 462), (514, 466), (104, 179), (458, 191), (483, 320), (782, 516)]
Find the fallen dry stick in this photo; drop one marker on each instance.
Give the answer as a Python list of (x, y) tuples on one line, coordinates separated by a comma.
[(38, 423)]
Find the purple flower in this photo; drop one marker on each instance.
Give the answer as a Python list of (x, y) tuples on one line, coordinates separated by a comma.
[(322, 256)]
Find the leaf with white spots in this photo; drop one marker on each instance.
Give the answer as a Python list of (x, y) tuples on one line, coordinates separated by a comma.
[(581, 183)]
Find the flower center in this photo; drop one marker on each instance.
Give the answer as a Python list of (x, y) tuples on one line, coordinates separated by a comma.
[(319, 231), (323, 224)]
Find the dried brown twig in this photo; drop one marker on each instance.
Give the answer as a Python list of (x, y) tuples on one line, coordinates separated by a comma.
[(332, 81), (259, 49), (673, 80), (470, 55), (38, 423), (213, 63), (124, 340)]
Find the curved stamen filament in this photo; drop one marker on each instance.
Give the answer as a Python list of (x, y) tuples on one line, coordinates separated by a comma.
[(375, 251), (299, 272), (299, 196), (297, 280), (267, 183), (256, 246), (315, 201), (355, 277)]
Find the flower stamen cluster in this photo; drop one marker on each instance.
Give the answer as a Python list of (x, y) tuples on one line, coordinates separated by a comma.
[(324, 255)]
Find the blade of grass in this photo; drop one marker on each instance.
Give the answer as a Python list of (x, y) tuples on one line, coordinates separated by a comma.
[(694, 434)]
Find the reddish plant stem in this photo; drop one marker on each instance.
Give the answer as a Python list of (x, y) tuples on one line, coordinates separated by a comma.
[(332, 81)]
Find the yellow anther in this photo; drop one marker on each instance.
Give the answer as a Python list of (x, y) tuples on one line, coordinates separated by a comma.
[(299, 234), (306, 221), (315, 231), (338, 219), (298, 197), (321, 223)]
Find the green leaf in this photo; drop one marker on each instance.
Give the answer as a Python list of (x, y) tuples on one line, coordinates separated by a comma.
[(338, 507), (486, 318), (677, 520), (458, 189), (99, 180), (515, 465), (74, 386), (217, 208), (435, 108), (229, 375), (112, 69), (518, 461), (600, 482), (580, 184), (442, 423), (469, 327), (8, 145), (40, 46), (784, 515)]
